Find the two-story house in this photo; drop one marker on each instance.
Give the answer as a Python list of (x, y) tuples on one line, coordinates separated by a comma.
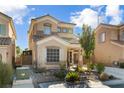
[(7, 39), (52, 42), (109, 45)]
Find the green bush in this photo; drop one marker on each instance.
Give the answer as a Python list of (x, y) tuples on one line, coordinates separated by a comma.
[(100, 67), (6, 73), (40, 70), (90, 66), (61, 74), (62, 65), (121, 65), (79, 69), (72, 77)]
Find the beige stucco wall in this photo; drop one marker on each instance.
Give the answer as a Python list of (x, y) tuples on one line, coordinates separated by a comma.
[(7, 49), (41, 54), (38, 25), (6, 53), (107, 52)]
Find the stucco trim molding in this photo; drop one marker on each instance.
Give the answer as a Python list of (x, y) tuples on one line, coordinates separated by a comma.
[(117, 44), (52, 38)]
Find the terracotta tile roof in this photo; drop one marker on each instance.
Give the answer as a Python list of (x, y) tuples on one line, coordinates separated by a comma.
[(5, 41)]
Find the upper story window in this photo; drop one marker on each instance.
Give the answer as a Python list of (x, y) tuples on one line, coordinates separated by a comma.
[(70, 31), (65, 30), (47, 29), (2, 29), (58, 29), (122, 36), (102, 37)]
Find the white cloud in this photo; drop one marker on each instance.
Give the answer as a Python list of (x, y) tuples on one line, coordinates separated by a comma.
[(90, 15), (17, 12), (115, 13), (86, 16)]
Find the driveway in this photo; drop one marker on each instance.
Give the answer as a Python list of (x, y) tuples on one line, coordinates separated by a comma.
[(118, 73)]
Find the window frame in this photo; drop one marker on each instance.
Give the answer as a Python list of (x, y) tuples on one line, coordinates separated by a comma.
[(122, 36), (1, 30), (59, 29), (52, 54), (102, 37), (47, 25), (66, 30)]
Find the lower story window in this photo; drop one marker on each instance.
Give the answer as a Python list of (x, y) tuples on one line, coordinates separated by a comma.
[(52, 54)]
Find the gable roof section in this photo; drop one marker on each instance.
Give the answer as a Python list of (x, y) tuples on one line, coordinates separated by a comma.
[(107, 26), (11, 22), (52, 18), (52, 38), (35, 19)]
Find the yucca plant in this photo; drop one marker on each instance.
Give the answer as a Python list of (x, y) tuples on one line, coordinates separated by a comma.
[(6, 72), (72, 77)]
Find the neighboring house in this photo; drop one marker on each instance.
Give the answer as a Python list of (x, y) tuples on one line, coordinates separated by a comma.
[(7, 39), (52, 42), (109, 45)]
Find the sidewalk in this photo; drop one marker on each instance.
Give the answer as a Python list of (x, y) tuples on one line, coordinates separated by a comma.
[(23, 84)]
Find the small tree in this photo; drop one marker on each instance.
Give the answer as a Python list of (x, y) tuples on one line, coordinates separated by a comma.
[(18, 51), (87, 41)]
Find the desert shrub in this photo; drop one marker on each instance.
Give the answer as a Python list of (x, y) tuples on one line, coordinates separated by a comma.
[(121, 65), (100, 67), (104, 76), (40, 70), (6, 73), (61, 74), (79, 69), (62, 65), (72, 77), (90, 66)]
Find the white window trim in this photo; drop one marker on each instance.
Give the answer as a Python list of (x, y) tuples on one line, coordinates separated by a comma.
[(102, 37), (46, 54)]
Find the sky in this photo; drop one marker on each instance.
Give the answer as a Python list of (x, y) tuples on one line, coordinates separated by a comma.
[(84, 14)]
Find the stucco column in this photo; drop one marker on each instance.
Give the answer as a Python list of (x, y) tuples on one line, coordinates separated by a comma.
[(80, 57), (72, 57)]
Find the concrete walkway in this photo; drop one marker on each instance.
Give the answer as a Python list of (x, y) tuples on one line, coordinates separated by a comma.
[(97, 84), (23, 84), (92, 84), (26, 83)]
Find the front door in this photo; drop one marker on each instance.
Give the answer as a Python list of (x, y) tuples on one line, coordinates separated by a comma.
[(76, 57)]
